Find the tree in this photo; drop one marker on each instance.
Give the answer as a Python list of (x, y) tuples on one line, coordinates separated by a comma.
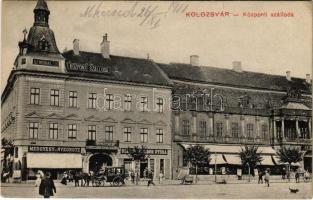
[(8, 147), (197, 156), (289, 155), (249, 157), (137, 153)]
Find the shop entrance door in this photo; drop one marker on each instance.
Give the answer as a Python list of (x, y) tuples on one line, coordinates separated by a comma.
[(143, 168), (98, 161)]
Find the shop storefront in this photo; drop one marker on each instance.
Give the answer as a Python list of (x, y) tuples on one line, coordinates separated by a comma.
[(53, 159)]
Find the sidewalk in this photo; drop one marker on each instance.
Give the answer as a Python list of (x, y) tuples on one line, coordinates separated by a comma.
[(31, 183)]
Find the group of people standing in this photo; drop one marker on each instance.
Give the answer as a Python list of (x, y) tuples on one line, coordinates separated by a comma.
[(266, 175), (148, 175)]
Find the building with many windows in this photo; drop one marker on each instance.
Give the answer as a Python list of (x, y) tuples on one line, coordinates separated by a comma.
[(225, 109), (81, 110)]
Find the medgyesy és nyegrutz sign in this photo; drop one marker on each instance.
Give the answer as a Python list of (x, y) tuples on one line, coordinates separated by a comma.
[(49, 149)]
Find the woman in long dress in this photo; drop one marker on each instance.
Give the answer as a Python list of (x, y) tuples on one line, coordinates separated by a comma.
[(39, 175)]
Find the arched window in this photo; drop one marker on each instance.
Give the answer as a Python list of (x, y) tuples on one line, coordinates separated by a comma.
[(43, 44)]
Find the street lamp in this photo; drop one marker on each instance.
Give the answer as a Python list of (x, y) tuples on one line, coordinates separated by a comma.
[(215, 167), (248, 170)]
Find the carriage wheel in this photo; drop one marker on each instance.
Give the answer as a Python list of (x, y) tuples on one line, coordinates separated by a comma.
[(117, 181)]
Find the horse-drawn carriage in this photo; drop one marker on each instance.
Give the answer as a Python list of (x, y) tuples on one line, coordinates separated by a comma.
[(113, 175)]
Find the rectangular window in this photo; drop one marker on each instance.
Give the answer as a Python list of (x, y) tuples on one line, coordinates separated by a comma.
[(92, 98), (53, 131), (143, 135), (202, 128), (186, 127), (34, 96), (249, 130), (109, 133), (219, 129), (144, 104), (264, 130), (127, 134), (72, 131), (92, 132), (162, 166), (54, 97), (159, 135), (109, 101), (33, 130), (235, 129), (73, 99), (127, 102), (159, 105)]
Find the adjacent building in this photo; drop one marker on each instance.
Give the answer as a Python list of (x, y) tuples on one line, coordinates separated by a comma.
[(226, 109)]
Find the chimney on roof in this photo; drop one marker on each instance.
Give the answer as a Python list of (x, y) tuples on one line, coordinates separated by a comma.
[(76, 46), (237, 66), (308, 78), (105, 47), (288, 75), (194, 60)]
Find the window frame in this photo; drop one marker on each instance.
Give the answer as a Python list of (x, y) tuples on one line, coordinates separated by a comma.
[(53, 130), (109, 100), (186, 127), (144, 135), (160, 105), (34, 96), (33, 130), (144, 104), (235, 129), (219, 129), (73, 96), (250, 128), (109, 133), (127, 134), (54, 97), (92, 98), (160, 135), (92, 132), (127, 102), (72, 132)]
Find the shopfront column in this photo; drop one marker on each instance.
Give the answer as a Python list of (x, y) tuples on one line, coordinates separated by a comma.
[(283, 127), (297, 127), (310, 128), (274, 130), (242, 126), (227, 125), (211, 133)]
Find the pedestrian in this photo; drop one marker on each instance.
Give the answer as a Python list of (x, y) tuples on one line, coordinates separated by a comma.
[(64, 179), (260, 177), (297, 176), (47, 186), (160, 177), (150, 178), (283, 173), (38, 179), (267, 178), (76, 179), (137, 177), (132, 176)]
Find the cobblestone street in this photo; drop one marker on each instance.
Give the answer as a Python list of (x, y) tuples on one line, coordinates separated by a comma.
[(171, 190)]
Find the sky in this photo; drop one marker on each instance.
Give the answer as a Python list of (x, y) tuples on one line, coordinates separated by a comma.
[(163, 30)]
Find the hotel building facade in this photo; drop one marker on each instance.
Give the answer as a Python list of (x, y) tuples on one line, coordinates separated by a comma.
[(81, 110)]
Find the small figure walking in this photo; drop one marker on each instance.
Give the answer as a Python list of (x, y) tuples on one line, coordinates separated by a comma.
[(150, 178), (297, 176), (160, 177), (132, 176), (267, 178), (47, 186), (260, 177)]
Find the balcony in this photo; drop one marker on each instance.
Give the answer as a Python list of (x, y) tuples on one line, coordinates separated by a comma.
[(286, 140), (224, 139), (102, 145)]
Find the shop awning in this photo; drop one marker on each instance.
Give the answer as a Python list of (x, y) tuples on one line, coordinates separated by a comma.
[(218, 159), (54, 160), (230, 148), (233, 159), (267, 160)]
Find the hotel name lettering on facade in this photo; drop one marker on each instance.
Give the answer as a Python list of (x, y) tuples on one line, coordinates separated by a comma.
[(86, 67), (46, 62), (148, 151), (45, 149)]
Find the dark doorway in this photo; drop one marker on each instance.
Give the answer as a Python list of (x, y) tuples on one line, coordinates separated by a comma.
[(98, 160), (143, 166)]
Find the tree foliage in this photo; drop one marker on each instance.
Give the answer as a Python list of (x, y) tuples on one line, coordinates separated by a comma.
[(197, 155), (289, 155), (249, 156), (8, 147), (137, 153)]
